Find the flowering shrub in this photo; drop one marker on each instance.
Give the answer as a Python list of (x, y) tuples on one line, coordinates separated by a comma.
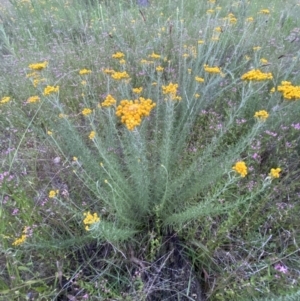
[(150, 141)]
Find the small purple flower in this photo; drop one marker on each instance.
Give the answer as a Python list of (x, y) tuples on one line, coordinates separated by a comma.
[(256, 157), (15, 211), (296, 126), (281, 268), (271, 133)]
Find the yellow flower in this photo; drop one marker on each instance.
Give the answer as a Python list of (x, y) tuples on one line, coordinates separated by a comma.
[(86, 111), (154, 56), (118, 55), (75, 158), (49, 133), (197, 95), (199, 79), (90, 219), (264, 61), (83, 82), (51, 89), (257, 75), (122, 61), (131, 112), (170, 89), (20, 240), (275, 173), (33, 99), (218, 29), (241, 168), (120, 75), (84, 71), (109, 71), (53, 194), (92, 135), (288, 90), (200, 42), (38, 66), (210, 11), (137, 90), (264, 11), (232, 18), (261, 115), (250, 19), (256, 48), (212, 69), (32, 74), (108, 101), (5, 99), (159, 69)]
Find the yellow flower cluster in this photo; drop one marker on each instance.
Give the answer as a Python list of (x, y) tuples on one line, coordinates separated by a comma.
[(288, 90), (261, 115), (264, 11), (53, 193), (154, 56), (86, 111), (199, 79), (212, 69), (50, 89), (257, 75), (256, 48), (171, 89), (92, 135), (131, 112), (137, 90), (232, 19), (241, 168), (32, 74), (20, 240), (38, 66), (159, 69), (118, 55), (84, 71), (5, 99), (275, 173), (264, 61), (109, 71), (90, 219), (108, 101), (120, 75), (33, 99), (38, 80)]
